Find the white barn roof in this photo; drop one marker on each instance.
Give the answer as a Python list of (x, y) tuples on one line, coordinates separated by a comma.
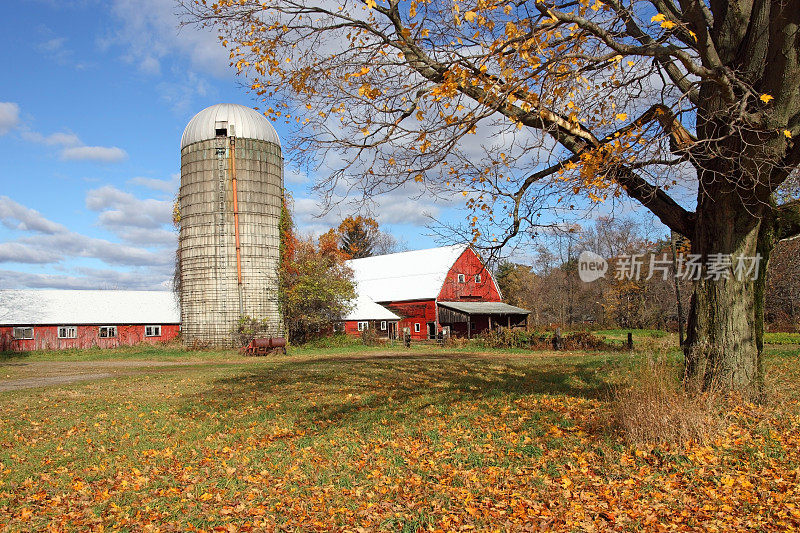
[(247, 122), (366, 309), (415, 275), (69, 307)]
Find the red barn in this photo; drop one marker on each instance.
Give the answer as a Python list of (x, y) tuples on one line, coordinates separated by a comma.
[(60, 319), (431, 289)]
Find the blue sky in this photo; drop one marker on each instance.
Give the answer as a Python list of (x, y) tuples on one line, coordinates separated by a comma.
[(93, 101)]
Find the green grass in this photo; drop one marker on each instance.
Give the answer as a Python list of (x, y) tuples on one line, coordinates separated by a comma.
[(427, 437), (782, 338), (622, 334)]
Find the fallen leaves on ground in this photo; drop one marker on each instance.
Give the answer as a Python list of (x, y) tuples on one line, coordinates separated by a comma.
[(423, 443)]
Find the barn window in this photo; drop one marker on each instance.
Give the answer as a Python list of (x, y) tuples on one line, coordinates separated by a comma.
[(108, 332), (477, 278), (416, 324), (363, 325), (23, 333), (383, 325), (461, 278), (67, 332), (152, 331)]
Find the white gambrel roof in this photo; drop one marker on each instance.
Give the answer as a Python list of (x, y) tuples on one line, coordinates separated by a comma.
[(248, 123), (68, 307), (415, 275), (366, 309)]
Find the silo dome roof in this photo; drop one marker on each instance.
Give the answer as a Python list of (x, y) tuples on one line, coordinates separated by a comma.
[(247, 122)]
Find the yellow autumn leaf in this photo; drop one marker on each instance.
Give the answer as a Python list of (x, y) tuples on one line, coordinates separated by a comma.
[(371, 4), (658, 18), (766, 98), (469, 16), (511, 29), (787, 134), (622, 116), (668, 24)]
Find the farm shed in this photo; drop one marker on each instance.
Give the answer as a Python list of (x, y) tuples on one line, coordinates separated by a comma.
[(465, 318), (60, 319), (417, 285)]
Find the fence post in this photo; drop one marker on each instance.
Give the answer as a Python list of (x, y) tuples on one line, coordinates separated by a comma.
[(630, 340)]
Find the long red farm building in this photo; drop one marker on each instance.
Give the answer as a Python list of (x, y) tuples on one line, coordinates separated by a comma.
[(426, 291), (422, 292), (62, 319)]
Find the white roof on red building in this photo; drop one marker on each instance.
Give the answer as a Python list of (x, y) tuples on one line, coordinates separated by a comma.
[(415, 275), (70, 307), (366, 309)]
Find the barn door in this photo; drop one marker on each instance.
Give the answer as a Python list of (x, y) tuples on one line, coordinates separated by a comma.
[(431, 330)]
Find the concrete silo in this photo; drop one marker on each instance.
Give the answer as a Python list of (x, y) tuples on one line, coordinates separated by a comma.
[(230, 206)]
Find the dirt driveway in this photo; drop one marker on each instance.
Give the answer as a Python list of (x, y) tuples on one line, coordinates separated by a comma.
[(15, 375)]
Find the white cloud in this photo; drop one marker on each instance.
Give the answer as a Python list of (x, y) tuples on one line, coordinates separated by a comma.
[(149, 237), (16, 216), (168, 186), (294, 175), (120, 209), (181, 89), (55, 49), (9, 116), (101, 154), (139, 279), (150, 32), (14, 252), (54, 139), (76, 245), (72, 148), (151, 37), (51, 243)]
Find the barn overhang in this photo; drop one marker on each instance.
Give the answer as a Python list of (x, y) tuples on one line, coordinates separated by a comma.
[(497, 313)]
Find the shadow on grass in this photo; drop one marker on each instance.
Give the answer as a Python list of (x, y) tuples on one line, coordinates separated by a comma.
[(345, 389)]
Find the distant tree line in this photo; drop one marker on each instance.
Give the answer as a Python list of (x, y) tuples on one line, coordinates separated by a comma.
[(552, 290)]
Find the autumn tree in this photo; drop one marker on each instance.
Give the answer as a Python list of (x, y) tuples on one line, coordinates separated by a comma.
[(528, 108), (358, 236), (316, 285), (361, 236)]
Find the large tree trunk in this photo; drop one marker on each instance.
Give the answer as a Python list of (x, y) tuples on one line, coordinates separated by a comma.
[(726, 318)]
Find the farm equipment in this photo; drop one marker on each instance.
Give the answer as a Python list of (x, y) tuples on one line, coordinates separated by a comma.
[(265, 346)]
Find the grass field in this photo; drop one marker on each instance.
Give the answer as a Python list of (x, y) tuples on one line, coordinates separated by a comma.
[(415, 440)]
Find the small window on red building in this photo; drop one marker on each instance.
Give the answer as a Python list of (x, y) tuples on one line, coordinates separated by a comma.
[(108, 332), (477, 278), (363, 325), (152, 331), (23, 333), (416, 324), (461, 278), (383, 325), (67, 332)]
